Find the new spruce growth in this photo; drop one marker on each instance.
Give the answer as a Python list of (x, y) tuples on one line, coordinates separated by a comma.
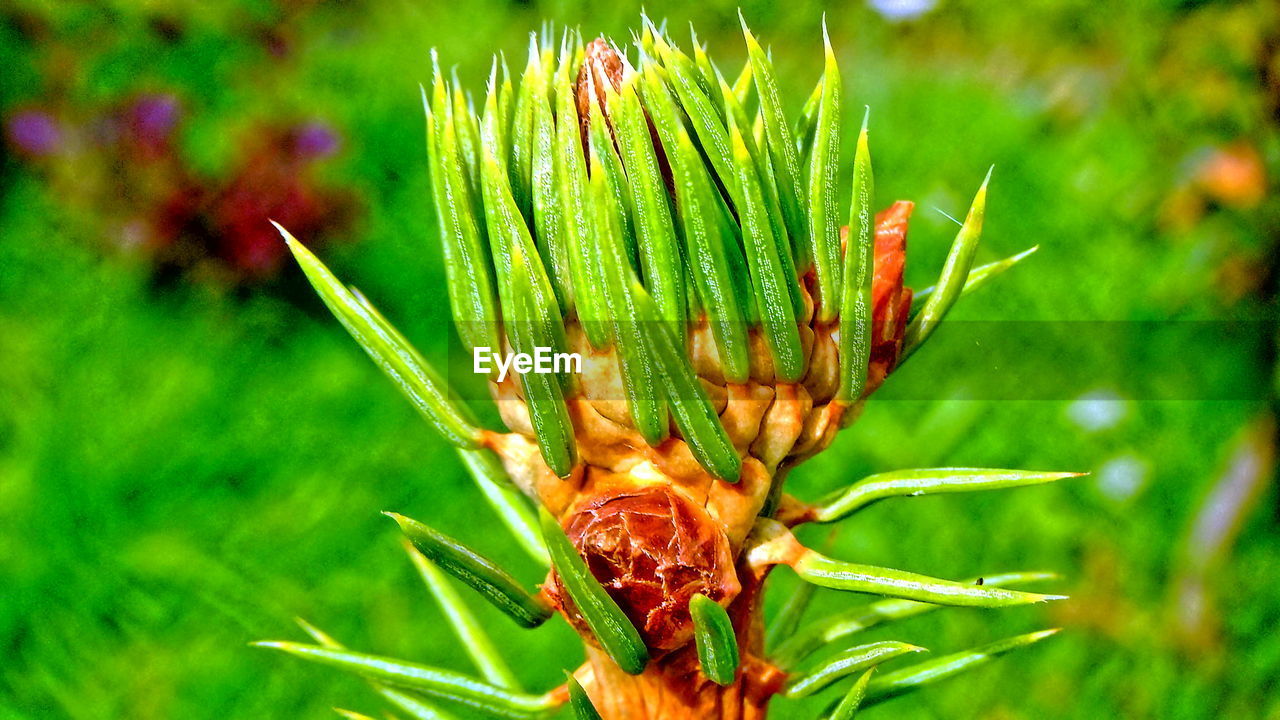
[(690, 242)]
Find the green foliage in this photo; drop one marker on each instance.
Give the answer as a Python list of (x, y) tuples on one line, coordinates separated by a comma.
[(978, 277), (583, 709), (471, 635), (184, 468), (512, 506), (432, 682), (852, 700), (611, 628), (819, 130), (390, 350), (853, 577), (914, 483), (859, 269), (793, 647), (954, 277), (476, 571), (845, 663), (693, 411), (716, 642), (891, 684)]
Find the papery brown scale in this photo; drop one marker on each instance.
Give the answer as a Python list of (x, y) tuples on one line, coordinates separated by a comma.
[(653, 550), (674, 687), (600, 64), (890, 301)]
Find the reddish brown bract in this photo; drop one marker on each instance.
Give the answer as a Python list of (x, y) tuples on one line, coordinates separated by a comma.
[(653, 550), (890, 301)]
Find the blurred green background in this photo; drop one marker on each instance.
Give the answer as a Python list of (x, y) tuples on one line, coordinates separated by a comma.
[(192, 452)]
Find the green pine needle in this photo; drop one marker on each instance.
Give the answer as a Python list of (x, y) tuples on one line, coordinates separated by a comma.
[(852, 700), (703, 114), (770, 278), (707, 69), (859, 261), (896, 683), (807, 123), (823, 201), (827, 572), (660, 256), (754, 144), (520, 168), (466, 126), (545, 196), (511, 505), (472, 636), (809, 638), (543, 392), (781, 147), (978, 277), (716, 642), (604, 150), (784, 623), (415, 706), (504, 95), (637, 366), (744, 85), (468, 271), (706, 245), (578, 217), (846, 663), (693, 411), (954, 276), (430, 681), (476, 571), (583, 708), (426, 390), (418, 708), (611, 627), (932, 481)]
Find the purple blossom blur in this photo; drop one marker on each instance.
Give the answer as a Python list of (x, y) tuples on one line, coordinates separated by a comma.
[(34, 132), (316, 139), (121, 162), (154, 117)]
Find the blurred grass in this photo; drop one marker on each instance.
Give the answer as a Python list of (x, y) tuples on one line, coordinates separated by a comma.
[(183, 470)]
